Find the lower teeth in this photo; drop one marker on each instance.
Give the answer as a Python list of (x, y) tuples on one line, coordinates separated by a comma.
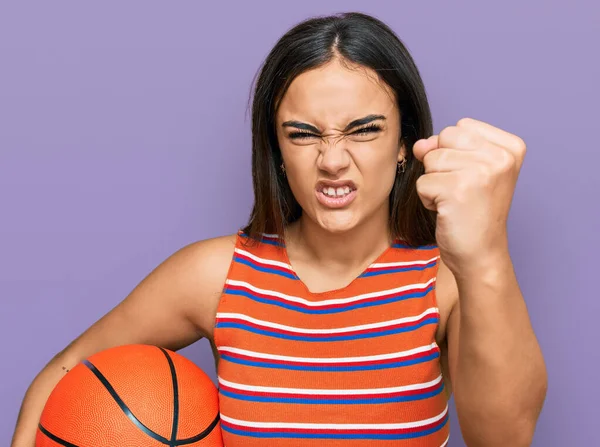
[(336, 197)]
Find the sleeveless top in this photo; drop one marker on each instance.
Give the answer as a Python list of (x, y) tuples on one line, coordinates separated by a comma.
[(349, 367)]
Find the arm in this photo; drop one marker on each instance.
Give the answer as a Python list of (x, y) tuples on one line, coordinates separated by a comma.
[(172, 307), (497, 370), (496, 366)]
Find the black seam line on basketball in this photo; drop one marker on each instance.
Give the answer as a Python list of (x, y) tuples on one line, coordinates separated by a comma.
[(175, 395), (199, 436), (54, 437), (123, 406)]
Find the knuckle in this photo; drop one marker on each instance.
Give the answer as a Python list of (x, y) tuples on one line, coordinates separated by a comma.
[(447, 136), (520, 144), (420, 183), (463, 140), (507, 162), (502, 160), (464, 122)]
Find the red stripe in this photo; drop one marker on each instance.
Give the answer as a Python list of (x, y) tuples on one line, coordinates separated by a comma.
[(337, 431), (360, 363), (383, 269), (330, 396), (351, 332), (260, 264), (330, 306)]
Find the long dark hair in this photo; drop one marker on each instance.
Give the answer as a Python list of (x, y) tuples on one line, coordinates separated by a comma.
[(363, 40)]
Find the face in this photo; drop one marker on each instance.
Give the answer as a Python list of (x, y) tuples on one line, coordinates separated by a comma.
[(339, 134)]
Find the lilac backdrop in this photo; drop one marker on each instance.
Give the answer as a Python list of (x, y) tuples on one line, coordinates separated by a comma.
[(124, 135)]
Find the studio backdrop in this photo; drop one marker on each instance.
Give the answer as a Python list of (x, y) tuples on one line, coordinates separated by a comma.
[(125, 135)]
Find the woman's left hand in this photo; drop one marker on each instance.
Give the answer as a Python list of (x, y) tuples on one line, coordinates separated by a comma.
[(471, 171)]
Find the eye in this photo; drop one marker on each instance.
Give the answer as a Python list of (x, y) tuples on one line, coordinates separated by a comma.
[(301, 135), (371, 128)]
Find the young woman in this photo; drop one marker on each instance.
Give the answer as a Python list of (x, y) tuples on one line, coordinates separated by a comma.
[(373, 278)]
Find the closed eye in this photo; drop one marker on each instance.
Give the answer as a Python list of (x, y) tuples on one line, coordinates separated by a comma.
[(371, 128), (302, 135)]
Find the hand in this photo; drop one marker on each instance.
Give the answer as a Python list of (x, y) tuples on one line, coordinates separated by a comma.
[(471, 171)]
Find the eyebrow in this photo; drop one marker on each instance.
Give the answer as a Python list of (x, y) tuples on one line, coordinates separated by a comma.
[(358, 122)]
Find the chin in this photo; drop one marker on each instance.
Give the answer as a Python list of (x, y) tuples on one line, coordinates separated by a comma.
[(338, 221)]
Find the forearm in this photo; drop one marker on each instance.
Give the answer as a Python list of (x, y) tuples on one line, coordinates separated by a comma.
[(500, 381), (34, 401)]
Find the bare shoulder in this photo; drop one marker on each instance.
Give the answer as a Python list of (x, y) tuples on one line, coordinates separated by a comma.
[(207, 263)]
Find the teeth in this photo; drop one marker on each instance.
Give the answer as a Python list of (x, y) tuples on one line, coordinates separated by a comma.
[(336, 192)]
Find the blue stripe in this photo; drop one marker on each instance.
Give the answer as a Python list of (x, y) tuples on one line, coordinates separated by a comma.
[(335, 310), (291, 366), (420, 247), (265, 241), (265, 269), (270, 242), (321, 338), (396, 270), (329, 400), (334, 435)]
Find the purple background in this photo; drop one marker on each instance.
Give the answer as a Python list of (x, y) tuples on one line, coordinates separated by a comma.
[(124, 135)]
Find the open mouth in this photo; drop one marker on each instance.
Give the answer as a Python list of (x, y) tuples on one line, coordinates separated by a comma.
[(335, 194), (338, 192)]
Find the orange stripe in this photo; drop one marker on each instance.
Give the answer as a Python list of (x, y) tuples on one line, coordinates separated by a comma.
[(381, 378), (355, 317), (333, 414)]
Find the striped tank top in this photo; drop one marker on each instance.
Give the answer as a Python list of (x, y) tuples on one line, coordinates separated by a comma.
[(354, 366)]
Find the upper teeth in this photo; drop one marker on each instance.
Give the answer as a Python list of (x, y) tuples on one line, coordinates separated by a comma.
[(336, 192)]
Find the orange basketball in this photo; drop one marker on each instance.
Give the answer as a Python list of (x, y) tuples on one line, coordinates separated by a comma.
[(132, 396)]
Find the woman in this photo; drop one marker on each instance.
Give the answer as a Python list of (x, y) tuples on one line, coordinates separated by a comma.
[(373, 277)]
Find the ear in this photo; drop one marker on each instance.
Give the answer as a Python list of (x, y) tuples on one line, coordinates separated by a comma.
[(402, 151)]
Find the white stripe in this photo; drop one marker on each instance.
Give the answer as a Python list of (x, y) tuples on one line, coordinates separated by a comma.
[(392, 426), (329, 392), (401, 264), (296, 299), (446, 441), (262, 260), (431, 310), (366, 358), (275, 236)]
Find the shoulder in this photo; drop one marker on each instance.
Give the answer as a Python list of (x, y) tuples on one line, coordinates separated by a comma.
[(203, 266), (178, 297), (214, 254), (206, 259)]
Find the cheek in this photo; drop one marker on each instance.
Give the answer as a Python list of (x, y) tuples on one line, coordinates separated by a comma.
[(378, 174), (382, 183), (301, 165), (301, 176)]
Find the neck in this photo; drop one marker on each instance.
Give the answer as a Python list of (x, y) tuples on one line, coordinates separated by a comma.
[(345, 249)]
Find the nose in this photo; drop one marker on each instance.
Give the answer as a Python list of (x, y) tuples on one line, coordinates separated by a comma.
[(333, 157)]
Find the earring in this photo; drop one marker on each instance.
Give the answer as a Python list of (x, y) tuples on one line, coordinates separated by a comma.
[(401, 166), (282, 168)]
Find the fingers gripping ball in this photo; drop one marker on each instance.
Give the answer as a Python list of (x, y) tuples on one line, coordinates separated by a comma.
[(132, 395)]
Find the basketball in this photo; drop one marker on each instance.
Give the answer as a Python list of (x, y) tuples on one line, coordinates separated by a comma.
[(132, 396)]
